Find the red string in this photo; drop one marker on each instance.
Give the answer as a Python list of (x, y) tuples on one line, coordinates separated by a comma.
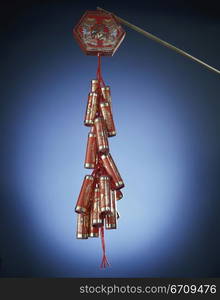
[(99, 167), (99, 72), (104, 262)]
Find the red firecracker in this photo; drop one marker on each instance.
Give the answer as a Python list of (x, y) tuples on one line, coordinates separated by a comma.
[(98, 33)]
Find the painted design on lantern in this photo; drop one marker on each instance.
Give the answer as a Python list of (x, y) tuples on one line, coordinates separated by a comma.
[(99, 34)]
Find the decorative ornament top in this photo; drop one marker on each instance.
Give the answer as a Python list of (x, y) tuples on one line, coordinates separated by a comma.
[(98, 33)]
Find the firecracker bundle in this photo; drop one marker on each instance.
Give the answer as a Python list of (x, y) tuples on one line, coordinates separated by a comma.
[(98, 33)]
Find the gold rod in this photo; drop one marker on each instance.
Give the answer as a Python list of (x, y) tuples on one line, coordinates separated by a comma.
[(162, 42)]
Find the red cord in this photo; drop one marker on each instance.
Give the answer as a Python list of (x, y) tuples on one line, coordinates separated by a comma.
[(99, 72), (104, 262), (99, 167)]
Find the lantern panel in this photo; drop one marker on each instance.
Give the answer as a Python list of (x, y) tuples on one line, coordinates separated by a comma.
[(98, 33)]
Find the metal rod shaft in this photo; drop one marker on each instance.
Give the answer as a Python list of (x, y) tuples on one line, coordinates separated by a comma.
[(162, 42)]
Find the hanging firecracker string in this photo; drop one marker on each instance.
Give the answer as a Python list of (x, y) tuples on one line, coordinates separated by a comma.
[(96, 205)]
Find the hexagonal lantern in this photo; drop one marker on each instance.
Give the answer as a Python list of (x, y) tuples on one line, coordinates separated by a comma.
[(98, 33)]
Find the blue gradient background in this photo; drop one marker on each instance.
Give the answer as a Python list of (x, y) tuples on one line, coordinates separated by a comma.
[(166, 110)]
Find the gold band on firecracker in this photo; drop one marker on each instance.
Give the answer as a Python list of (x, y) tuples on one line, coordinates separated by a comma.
[(96, 219), (112, 171), (94, 85), (91, 151), (105, 195), (91, 109), (83, 201), (82, 230), (110, 222), (94, 234), (107, 116), (101, 136), (89, 166)]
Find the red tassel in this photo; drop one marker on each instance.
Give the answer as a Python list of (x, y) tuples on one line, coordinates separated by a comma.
[(104, 262)]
